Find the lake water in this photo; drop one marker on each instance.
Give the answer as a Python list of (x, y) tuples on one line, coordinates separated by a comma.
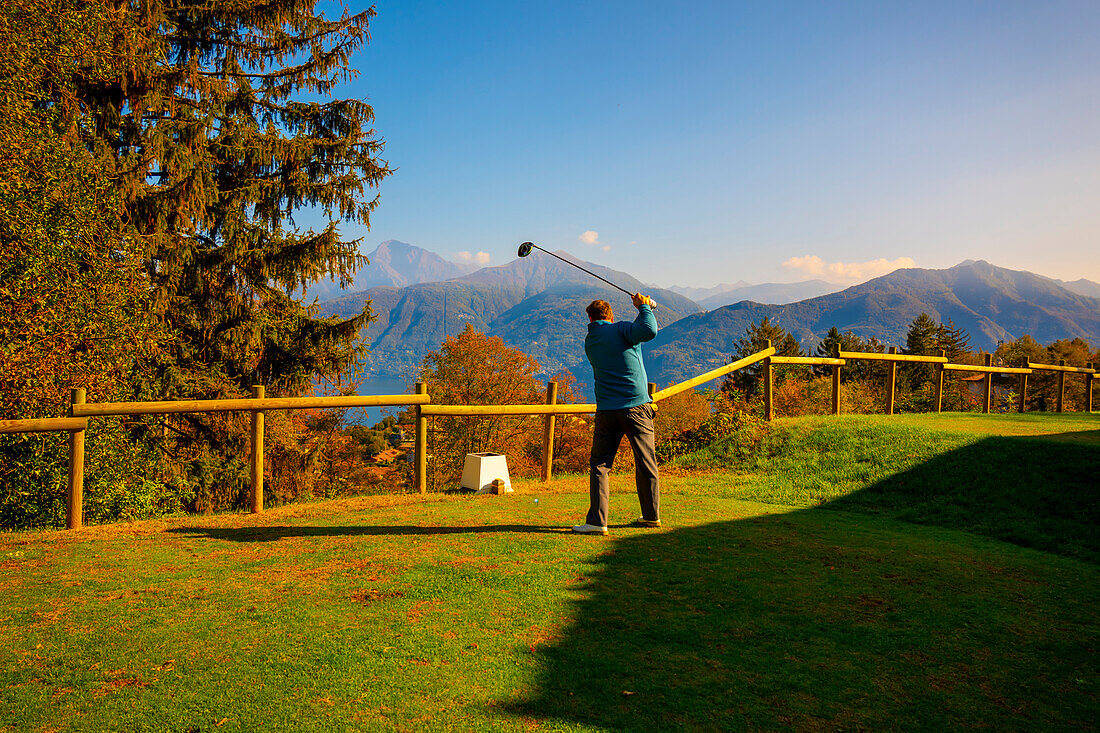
[(377, 385)]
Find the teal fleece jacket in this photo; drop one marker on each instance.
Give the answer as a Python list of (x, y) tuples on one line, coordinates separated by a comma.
[(615, 352)]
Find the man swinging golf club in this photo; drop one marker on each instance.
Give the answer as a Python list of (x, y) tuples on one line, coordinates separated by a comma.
[(623, 407)]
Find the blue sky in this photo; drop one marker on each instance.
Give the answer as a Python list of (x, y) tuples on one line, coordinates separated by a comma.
[(699, 143)]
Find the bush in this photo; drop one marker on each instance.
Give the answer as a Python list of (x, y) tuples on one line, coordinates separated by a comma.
[(117, 483)]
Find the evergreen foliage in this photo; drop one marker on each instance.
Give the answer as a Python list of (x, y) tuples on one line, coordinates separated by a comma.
[(172, 144), (217, 137), (756, 339), (916, 382), (854, 370)]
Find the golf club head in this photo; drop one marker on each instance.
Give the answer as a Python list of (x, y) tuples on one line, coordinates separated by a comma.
[(525, 248)]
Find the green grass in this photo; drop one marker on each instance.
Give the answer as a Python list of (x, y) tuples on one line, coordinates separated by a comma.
[(1027, 479), (862, 573)]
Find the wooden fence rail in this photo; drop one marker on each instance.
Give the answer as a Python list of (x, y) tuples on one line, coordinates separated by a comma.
[(44, 425), (258, 404), (101, 409), (1089, 373)]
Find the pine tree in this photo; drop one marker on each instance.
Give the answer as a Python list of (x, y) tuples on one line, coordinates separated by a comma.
[(756, 339), (854, 370), (219, 126), (922, 339), (954, 341)]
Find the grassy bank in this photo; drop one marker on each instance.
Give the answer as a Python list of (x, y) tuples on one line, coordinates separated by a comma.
[(828, 579)]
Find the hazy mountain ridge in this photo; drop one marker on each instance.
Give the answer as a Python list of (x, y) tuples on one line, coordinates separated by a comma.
[(535, 304), (701, 294), (1081, 287), (393, 264), (991, 303), (771, 293), (399, 264)]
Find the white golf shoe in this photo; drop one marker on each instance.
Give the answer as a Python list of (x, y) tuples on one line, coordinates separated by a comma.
[(589, 529)]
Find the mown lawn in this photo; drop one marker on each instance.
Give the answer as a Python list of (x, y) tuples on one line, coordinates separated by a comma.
[(915, 572)]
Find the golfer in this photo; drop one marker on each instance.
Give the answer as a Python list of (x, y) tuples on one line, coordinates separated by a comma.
[(623, 407)]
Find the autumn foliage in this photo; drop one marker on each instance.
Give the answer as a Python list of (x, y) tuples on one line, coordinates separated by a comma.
[(474, 369)]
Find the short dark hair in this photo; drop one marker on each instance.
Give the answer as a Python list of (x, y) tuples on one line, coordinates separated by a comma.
[(599, 310)]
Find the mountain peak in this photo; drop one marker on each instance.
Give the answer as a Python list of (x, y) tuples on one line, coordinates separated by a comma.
[(396, 264)]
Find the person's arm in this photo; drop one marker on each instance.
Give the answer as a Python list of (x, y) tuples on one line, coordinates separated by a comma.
[(644, 327)]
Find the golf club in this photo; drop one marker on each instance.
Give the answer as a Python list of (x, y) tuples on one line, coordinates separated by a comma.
[(526, 247)]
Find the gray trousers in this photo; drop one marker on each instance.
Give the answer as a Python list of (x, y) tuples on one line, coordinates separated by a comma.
[(636, 423)]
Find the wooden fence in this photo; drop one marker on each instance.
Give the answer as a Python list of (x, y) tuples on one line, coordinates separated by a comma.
[(79, 411)]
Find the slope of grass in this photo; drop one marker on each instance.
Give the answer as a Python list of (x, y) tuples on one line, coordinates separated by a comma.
[(1028, 479), (765, 602)]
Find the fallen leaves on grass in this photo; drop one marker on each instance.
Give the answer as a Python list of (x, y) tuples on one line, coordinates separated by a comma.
[(419, 609), (119, 683), (372, 595)]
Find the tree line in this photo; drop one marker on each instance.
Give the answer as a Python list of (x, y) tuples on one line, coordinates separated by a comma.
[(473, 369), (155, 156)]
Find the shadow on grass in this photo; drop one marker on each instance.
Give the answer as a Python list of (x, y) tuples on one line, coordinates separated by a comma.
[(824, 619), (1087, 437), (1042, 493), (269, 534)]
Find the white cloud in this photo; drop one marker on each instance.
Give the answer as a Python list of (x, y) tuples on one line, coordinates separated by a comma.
[(607, 248), (481, 258), (846, 272), (590, 237)]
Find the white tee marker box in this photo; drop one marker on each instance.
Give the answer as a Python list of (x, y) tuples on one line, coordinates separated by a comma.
[(480, 469)]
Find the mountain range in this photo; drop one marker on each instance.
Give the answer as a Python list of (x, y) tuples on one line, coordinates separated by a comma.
[(1081, 287), (991, 303), (775, 293), (394, 264), (536, 304)]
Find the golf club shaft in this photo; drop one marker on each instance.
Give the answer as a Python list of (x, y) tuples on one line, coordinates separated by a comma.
[(574, 264)]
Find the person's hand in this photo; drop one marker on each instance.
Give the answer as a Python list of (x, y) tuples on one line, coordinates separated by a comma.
[(640, 300)]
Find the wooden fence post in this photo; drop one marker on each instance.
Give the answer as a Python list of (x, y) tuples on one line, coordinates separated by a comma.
[(939, 382), (548, 433), (257, 452), (1023, 388), (891, 382), (988, 385), (768, 407), (1088, 388), (74, 508), (836, 380), (1061, 385), (421, 448)]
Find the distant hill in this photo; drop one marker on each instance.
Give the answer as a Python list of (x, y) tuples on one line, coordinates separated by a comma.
[(535, 304), (395, 264), (774, 293), (701, 294), (1081, 287), (991, 303)]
